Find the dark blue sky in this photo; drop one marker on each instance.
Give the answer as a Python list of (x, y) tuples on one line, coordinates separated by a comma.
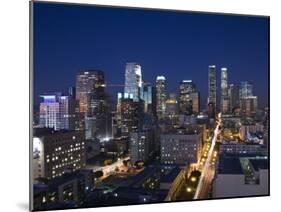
[(178, 45)]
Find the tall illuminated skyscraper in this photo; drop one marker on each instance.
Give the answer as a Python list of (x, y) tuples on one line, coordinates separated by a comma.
[(140, 145), (146, 94), (87, 82), (56, 112), (131, 115), (172, 105), (212, 91), (234, 96), (224, 82), (248, 102), (133, 81), (172, 108), (189, 98), (246, 89), (224, 101), (93, 103), (161, 96), (249, 105), (49, 112)]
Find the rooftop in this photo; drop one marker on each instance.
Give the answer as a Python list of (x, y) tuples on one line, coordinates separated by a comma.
[(170, 177), (229, 165), (259, 164), (68, 177), (183, 131), (38, 132)]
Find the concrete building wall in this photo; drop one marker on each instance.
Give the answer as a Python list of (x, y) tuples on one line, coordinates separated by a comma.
[(233, 185)]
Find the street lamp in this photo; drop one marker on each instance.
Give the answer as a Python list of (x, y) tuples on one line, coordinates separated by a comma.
[(193, 179)]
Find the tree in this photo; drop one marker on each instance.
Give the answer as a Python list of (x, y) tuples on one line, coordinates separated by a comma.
[(98, 174), (108, 162), (139, 164), (125, 162)]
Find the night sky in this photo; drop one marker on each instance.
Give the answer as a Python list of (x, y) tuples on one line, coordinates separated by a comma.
[(178, 45)]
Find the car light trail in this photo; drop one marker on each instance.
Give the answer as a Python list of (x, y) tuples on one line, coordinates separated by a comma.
[(208, 160)]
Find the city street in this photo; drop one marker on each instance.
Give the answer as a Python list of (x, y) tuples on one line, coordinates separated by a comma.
[(110, 169), (207, 173)]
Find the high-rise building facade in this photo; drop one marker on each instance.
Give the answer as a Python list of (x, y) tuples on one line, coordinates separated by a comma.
[(57, 111), (246, 89), (140, 145), (248, 102), (72, 92), (189, 99), (131, 114), (93, 103), (234, 96), (224, 82), (146, 94), (87, 82), (161, 96), (225, 105), (172, 106), (49, 116), (212, 87), (249, 105), (133, 81), (224, 101)]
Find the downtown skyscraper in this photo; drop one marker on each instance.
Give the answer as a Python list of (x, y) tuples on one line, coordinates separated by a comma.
[(189, 97), (57, 112), (224, 101), (90, 92), (212, 91), (146, 94), (161, 96), (248, 102), (234, 100), (246, 89), (87, 82), (133, 81)]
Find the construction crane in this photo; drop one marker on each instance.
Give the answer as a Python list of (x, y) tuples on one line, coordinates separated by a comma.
[(122, 85)]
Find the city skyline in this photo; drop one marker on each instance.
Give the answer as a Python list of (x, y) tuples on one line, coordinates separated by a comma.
[(147, 106), (188, 59)]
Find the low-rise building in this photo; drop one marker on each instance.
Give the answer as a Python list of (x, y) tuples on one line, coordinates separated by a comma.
[(246, 129), (241, 176), (234, 147), (70, 187)]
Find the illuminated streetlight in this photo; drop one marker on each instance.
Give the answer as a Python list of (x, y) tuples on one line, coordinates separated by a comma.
[(193, 179), (189, 190)]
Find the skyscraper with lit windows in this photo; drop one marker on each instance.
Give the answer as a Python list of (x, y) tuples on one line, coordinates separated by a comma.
[(88, 82), (146, 94), (234, 96), (224, 81), (188, 98), (161, 96), (248, 102), (246, 89), (133, 81), (56, 111), (131, 115), (224, 101), (212, 91), (93, 103)]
